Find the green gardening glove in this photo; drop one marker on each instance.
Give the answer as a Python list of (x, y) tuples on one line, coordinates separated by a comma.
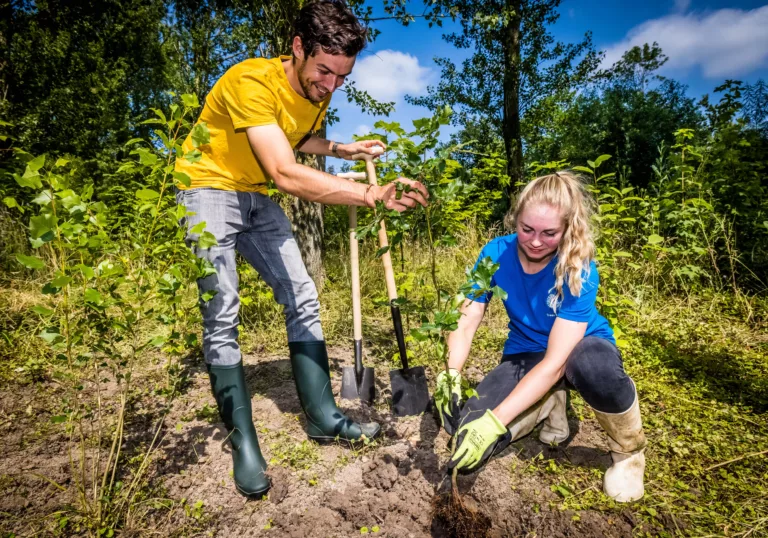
[(448, 399), (475, 442)]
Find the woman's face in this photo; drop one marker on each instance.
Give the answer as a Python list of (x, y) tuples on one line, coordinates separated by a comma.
[(539, 230)]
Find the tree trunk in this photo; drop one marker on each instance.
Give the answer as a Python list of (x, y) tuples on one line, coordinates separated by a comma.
[(307, 220), (511, 124)]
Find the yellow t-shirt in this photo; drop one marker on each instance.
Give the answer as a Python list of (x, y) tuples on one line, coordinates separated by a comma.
[(252, 93)]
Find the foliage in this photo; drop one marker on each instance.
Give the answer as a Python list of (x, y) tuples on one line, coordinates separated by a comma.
[(114, 295), (621, 115), (75, 74), (516, 63)]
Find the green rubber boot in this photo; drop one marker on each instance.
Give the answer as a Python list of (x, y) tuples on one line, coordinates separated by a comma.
[(234, 402), (325, 421)]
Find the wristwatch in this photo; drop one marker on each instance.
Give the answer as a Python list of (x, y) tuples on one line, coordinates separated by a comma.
[(334, 148)]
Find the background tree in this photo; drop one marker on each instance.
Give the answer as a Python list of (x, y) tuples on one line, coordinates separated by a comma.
[(74, 76), (629, 112), (516, 63)]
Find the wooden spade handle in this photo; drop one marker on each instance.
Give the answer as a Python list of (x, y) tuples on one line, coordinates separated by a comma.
[(354, 263), (389, 276), (389, 273)]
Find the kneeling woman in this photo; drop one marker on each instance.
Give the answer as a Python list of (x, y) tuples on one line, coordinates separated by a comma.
[(557, 340)]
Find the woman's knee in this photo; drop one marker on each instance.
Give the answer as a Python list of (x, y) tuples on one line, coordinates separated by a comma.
[(594, 360), (595, 369)]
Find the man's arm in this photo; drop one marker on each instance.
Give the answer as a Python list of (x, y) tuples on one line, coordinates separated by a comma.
[(354, 151), (274, 152)]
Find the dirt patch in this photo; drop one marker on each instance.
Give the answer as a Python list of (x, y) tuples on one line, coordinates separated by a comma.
[(387, 487)]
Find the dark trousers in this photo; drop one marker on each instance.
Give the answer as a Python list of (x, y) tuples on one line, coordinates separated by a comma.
[(594, 368)]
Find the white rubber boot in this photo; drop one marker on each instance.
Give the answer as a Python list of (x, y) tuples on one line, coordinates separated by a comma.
[(551, 408), (623, 481)]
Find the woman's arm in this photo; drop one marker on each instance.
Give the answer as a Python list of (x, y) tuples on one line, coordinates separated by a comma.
[(460, 340), (563, 338)]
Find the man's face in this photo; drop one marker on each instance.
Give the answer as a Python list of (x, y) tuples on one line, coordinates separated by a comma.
[(321, 74)]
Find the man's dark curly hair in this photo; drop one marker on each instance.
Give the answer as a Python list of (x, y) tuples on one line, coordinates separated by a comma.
[(331, 26)]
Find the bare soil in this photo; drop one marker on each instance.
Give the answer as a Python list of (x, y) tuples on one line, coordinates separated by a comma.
[(325, 491)]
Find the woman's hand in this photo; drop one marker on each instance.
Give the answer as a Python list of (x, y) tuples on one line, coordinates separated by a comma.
[(448, 399), (475, 442)]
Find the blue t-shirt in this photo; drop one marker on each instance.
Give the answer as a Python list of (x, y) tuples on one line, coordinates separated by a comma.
[(530, 299)]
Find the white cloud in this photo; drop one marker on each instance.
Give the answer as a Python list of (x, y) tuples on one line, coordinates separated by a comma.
[(681, 6), (390, 74), (723, 43), (363, 130)]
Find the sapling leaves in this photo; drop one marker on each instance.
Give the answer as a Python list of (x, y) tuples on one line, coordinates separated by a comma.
[(30, 262), (110, 272)]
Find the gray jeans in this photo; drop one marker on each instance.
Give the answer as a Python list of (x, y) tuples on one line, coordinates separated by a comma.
[(257, 228)]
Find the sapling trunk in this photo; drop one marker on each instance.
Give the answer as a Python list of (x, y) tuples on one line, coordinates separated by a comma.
[(457, 518)]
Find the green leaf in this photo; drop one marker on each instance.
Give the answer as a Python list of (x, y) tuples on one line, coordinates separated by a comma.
[(85, 270), (147, 194), (43, 311), (133, 141), (30, 180), (198, 228), (182, 178), (207, 240), (654, 239), (30, 262), (146, 157), (160, 115), (51, 336), (93, 296), (200, 134), (208, 295), (382, 251), (42, 225), (193, 156), (61, 281), (11, 203), (190, 100), (601, 159), (61, 162), (43, 198), (157, 341), (582, 169), (58, 419), (36, 164)]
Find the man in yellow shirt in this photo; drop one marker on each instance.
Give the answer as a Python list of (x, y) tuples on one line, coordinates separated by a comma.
[(257, 114)]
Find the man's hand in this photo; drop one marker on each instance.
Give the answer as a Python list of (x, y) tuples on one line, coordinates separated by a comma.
[(357, 151), (475, 442), (448, 399), (413, 193)]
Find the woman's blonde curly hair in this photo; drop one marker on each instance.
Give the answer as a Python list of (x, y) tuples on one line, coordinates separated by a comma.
[(565, 191)]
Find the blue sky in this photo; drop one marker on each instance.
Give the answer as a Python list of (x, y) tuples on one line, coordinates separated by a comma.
[(707, 42)]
